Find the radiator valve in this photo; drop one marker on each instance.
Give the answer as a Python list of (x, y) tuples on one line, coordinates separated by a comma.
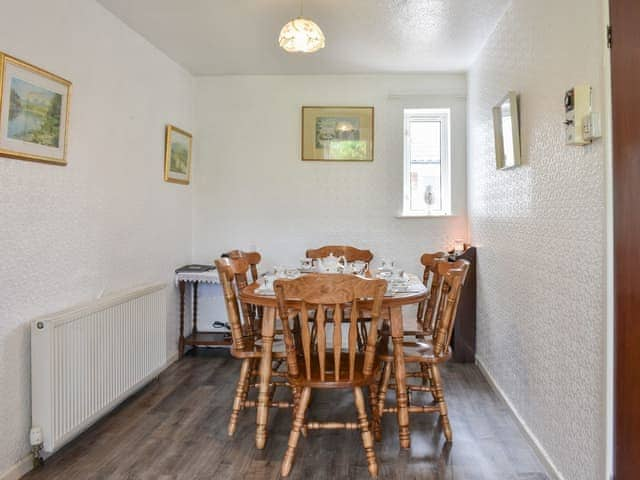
[(35, 438)]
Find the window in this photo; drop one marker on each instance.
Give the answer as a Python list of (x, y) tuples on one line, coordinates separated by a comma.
[(427, 181)]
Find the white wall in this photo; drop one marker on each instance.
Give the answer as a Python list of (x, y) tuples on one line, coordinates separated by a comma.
[(541, 231), (107, 221), (253, 191)]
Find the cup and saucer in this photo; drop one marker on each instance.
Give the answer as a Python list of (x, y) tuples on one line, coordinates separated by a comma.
[(266, 285), (357, 267), (307, 265)]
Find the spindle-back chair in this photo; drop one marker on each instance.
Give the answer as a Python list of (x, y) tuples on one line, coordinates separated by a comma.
[(321, 361), (425, 317), (253, 258), (352, 254), (427, 352), (242, 279), (246, 340)]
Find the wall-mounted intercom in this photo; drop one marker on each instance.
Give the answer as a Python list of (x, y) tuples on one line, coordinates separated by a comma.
[(582, 126)]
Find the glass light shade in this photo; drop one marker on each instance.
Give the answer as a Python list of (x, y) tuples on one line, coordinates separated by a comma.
[(301, 35)]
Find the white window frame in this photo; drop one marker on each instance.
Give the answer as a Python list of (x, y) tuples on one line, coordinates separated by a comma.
[(442, 115)]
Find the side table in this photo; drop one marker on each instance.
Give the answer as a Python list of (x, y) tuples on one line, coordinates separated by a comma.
[(196, 339), (464, 332)]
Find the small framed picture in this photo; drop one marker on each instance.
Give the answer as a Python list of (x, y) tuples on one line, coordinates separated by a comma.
[(343, 134), (506, 130), (177, 156), (34, 112)]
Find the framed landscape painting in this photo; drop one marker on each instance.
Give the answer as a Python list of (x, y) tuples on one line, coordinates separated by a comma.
[(337, 133), (177, 156), (34, 112)]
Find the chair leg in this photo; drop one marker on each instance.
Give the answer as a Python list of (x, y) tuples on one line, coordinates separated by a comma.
[(295, 393), (442, 404), (255, 367), (424, 370), (294, 436), (241, 394), (373, 399), (382, 395), (427, 379), (367, 438)]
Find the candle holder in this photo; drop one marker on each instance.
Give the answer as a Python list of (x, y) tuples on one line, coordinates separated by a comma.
[(458, 246)]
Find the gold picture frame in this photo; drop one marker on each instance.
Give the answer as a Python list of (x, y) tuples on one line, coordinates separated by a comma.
[(34, 112), (177, 161), (338, 134)]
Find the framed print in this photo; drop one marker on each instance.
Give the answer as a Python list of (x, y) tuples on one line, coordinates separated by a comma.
[(337, 133), (34, 112), (177, 156), (506, 131)]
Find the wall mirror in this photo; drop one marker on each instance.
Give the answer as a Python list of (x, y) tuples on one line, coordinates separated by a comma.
[(506, 129)]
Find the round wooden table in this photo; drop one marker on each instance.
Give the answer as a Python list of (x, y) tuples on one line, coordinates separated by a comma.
[(392, 311)]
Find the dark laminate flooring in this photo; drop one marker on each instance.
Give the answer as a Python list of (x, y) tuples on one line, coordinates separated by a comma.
[(176, 428)]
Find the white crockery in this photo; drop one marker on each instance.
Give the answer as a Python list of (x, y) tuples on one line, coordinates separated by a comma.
[(331, 264)]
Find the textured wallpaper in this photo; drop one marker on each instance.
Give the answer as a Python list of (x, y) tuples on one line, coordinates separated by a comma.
[(106, 221), (253, 191), (540, 231)]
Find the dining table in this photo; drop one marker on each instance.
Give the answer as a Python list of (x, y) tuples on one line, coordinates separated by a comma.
[(392, 313)]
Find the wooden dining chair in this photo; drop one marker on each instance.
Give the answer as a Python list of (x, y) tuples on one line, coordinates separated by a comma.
[(352, 254), (428, 352), (253, 258), (426, 308), (246, 343), (321, 361)]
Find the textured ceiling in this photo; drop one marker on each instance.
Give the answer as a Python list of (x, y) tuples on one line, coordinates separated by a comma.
[(213, 37)]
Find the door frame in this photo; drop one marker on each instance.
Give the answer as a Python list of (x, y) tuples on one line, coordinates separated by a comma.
[(623, 350), (607, 122)]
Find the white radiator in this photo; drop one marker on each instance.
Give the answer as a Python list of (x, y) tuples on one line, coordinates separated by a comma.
[(87, 359)]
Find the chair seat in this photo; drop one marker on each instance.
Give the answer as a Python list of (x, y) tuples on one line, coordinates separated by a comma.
[(359, 379), (253, 349), (416, 351)]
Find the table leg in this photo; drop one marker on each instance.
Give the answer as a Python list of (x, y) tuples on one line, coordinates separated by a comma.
[(402, 399), (181, 286), (262, 417), (195, 308)]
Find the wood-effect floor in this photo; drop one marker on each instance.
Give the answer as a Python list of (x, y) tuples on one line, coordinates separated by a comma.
[(176, 428)]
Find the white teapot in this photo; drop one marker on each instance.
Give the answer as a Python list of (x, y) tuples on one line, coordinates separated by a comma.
[(331, 264)]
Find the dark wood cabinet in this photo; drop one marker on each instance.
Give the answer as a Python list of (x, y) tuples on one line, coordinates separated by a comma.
[(463, 342)]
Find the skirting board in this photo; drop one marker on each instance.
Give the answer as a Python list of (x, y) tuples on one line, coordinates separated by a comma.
[(171, 359), (18, 470), (25, 465), (524, 428)]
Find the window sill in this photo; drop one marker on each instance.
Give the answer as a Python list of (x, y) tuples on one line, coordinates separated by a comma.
[(424, 215)]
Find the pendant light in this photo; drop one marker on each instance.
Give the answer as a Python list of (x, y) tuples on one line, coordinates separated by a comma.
[(301, 35)]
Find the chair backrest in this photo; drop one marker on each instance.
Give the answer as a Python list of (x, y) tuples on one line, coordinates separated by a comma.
[(452, 276), (350, 253), (426, 310), (331, 293), (428, 261), (233, 277), (253, 258)]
